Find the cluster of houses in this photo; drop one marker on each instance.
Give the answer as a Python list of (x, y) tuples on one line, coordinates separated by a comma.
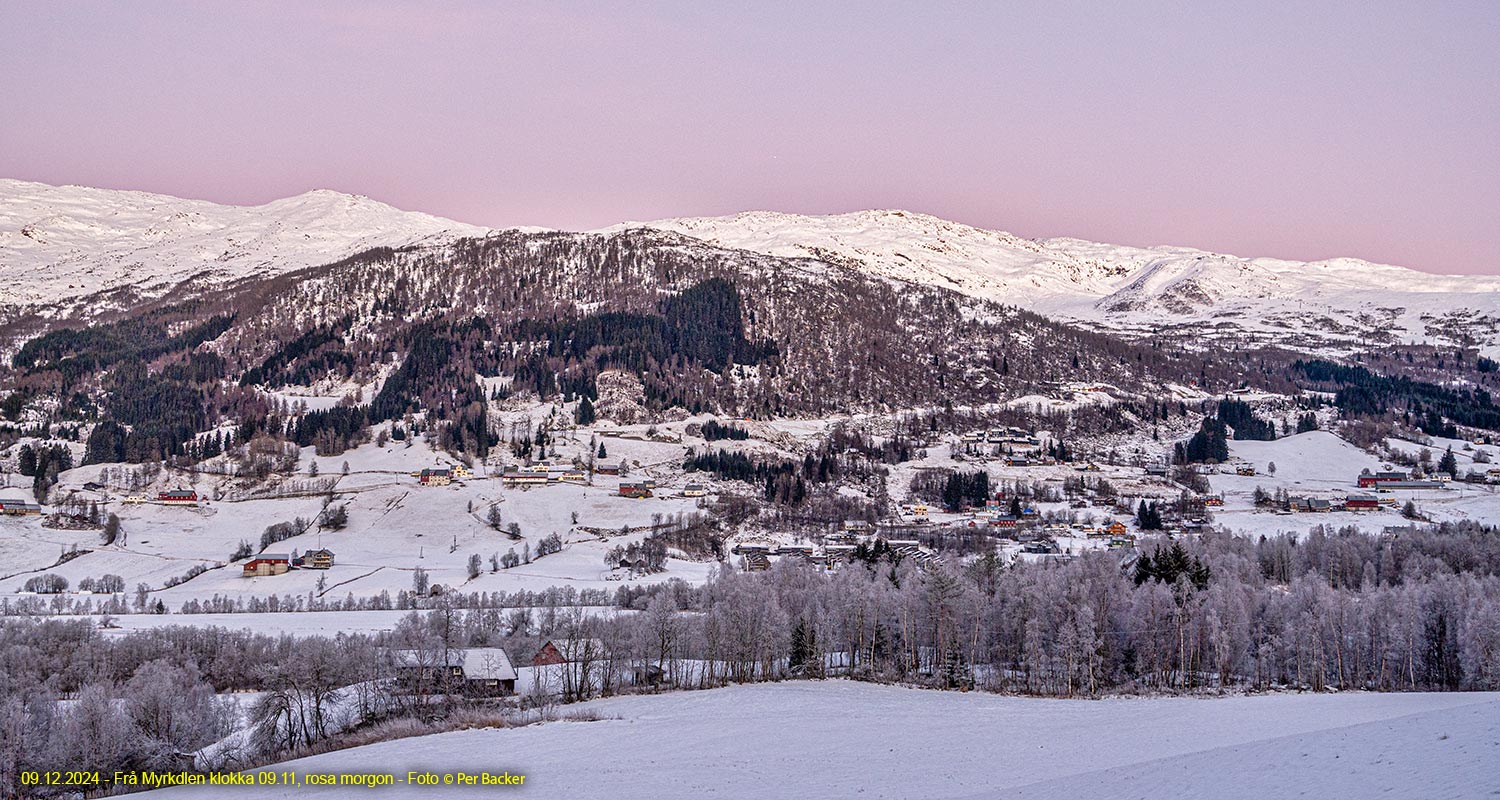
[(648, 488), (443, 476), (637, 489), (167, 497), (488, 671), (19, 508), (836, 550), (542, 474), (756, 556), (1006, 435), (267, 564), (1030, 461), (1386, 481), (1318, 505)]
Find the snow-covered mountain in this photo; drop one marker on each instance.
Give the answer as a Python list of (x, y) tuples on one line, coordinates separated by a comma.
[(1131, 288), (61, 242)]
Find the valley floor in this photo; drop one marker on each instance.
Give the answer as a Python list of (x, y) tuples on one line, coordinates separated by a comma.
[(846, 739)]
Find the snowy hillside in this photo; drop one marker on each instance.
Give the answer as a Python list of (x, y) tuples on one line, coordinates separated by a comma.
[(59, 242), (1128, 287), (854, 739)]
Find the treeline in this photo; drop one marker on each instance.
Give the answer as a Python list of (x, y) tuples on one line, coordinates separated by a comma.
[(787, 482), (713, 430), (1333, 610), (1238, 415), (699, 328), (43, 464), (80, 352), (1433, 408), (1210, 443), (305, 359)]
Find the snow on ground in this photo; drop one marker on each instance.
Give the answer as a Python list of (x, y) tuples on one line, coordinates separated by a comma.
[(847, 739), (1131, 288), (66, 241), (1319, 464), (395, 526)]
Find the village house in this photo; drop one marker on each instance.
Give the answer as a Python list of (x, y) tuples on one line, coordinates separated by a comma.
[(647, 675), (1115, 528), (574, 476), (488, 672), (607, 469), (836, 554), (317, 559), (435, 477), (178, 497), (695, 490), (636, 490), (476, 671), (267, 564), (460, 472), (1305, 505), (565, 651), (631, 564), (524, 478)]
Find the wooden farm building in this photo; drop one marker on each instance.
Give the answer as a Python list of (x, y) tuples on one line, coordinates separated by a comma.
[(178, 497), (267, 564), (565, 651), (475, 671), (19, 508)]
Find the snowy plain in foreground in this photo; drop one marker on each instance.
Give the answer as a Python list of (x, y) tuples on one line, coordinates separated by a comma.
[(845, 739)]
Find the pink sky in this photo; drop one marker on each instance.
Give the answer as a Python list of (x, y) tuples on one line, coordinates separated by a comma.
[(1301, 130)]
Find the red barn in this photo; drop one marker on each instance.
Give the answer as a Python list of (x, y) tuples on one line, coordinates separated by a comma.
[(1368, 481)]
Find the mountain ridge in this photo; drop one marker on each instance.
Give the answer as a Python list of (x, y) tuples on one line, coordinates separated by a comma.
[(1130, 288), (70, 242), (60, 242)]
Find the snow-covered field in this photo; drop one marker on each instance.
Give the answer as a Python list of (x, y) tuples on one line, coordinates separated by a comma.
[(1319, 464), (845, 739), (395, 527)]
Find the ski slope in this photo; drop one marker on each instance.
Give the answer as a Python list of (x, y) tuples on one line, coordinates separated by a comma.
[(847, 739)]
